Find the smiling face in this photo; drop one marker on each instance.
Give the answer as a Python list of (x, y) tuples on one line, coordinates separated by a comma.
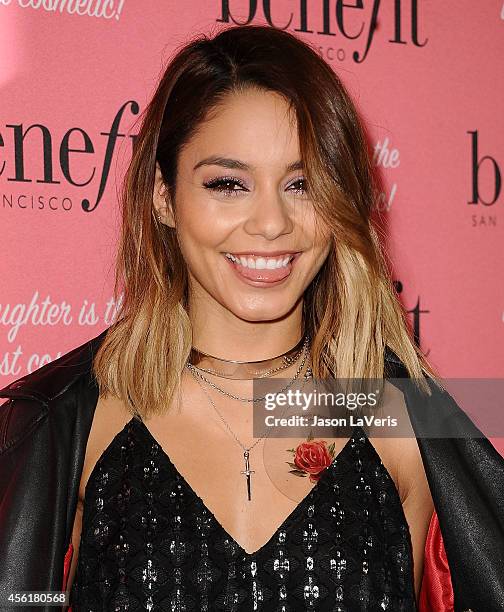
[(245, 225)]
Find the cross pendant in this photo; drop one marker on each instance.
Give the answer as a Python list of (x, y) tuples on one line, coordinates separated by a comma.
[(247, 471)]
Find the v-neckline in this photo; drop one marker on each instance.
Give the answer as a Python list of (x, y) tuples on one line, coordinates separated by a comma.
[(290, 519)]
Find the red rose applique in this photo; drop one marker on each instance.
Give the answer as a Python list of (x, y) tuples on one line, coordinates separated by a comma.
[(311, 458)]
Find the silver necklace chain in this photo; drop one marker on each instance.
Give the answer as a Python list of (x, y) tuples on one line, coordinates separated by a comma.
[(195, 372), (247, 472), (307, 375)]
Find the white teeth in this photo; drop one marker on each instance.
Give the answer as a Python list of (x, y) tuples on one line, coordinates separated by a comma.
[(260, 263)]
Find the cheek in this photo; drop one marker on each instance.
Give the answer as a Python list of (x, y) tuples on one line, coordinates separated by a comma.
[(191, 225), (320, 251), (321, 240), (205, 223), (199, 243)]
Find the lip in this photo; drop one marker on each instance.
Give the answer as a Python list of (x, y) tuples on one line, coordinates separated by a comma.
[(263, 283), (264, 253)]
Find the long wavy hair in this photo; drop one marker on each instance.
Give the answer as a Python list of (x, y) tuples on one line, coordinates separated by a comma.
[(350, 309)]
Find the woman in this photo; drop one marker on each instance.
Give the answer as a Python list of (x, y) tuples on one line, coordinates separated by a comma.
[(247, 250)]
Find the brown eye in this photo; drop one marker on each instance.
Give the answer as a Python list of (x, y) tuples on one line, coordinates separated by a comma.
[(301, 182), (225, 185)]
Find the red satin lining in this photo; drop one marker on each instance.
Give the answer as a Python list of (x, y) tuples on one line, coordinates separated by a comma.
[(436, 593), (66, 568)]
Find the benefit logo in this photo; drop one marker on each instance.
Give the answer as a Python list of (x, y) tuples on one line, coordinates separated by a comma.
[(355, 23), (485, 182), (20, 144)]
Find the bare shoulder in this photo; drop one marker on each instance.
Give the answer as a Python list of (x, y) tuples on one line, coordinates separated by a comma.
[(109, 419)]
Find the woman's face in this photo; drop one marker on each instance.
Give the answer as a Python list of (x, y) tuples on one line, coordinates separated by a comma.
[(245, 225)]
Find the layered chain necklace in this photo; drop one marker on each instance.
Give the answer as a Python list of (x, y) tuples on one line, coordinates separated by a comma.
[(244, 369)]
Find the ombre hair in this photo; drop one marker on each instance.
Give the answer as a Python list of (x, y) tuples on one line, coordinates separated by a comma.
[(350, 309)]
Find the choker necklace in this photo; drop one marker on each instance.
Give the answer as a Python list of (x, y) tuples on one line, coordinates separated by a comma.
[(306, 350), (245, 370)]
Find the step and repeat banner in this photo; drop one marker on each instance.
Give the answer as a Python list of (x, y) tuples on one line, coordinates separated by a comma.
[(427, 78)]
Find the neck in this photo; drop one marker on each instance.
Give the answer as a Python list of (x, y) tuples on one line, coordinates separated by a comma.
[(218, 332), (231, 347)]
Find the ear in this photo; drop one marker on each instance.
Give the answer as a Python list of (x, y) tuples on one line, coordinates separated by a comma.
[(163, 207)]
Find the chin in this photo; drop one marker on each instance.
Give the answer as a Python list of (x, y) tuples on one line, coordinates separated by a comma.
[(257, 314)]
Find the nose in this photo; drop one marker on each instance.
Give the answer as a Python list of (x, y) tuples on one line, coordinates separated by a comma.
[(269, 217)]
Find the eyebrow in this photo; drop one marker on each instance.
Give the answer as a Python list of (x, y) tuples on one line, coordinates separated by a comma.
[(236, 164)]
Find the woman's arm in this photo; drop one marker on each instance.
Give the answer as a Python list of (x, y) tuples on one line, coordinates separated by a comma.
[(416, 499)]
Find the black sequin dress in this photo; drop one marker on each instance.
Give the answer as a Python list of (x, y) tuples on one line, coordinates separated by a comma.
[(148, 542)]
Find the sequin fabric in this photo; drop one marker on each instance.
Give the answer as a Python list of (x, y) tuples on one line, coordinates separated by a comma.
[(148, 542)]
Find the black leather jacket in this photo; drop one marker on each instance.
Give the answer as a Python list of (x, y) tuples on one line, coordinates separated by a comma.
[(45, 424)]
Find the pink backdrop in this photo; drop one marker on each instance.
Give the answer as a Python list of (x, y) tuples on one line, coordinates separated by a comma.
[(426, 75)]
